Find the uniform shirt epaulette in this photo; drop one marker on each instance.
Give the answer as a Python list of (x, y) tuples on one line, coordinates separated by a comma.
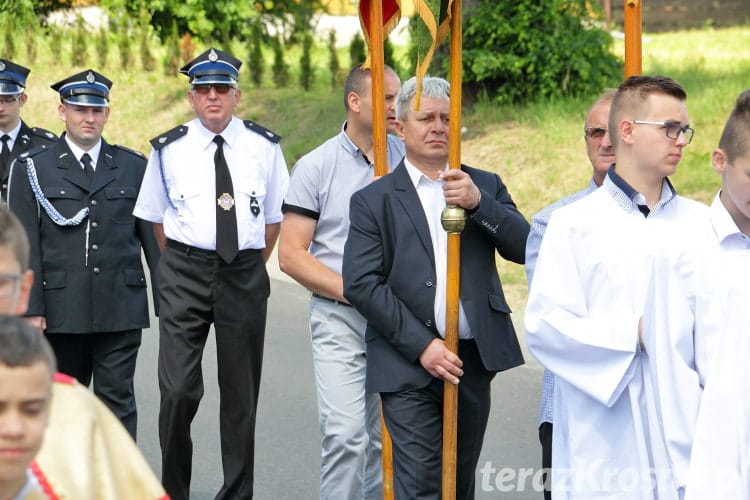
[(131, 151), (44, 134), (31, 152), (162, 140), (262, 131)]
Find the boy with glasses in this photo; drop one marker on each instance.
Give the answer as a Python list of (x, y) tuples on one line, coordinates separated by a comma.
[(15, 135), (615, 434)]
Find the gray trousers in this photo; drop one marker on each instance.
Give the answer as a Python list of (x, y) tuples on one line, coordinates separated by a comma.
[(349, 419)]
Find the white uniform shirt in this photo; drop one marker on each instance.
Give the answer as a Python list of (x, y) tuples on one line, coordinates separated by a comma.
[(184, 200), (590, 286), (728, 235), (432, 198)]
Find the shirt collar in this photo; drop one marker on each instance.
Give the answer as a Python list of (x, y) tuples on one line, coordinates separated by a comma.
[(13, 134), (78, 152), (230, 133), (614, 184), (415, 174), (722, 221)]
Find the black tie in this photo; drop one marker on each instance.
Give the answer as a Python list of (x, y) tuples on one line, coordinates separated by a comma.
[(5, 153), (226, 216), (87, 167)]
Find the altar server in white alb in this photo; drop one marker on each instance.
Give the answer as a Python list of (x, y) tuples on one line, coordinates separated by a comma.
[(720, 464), (614, 435)]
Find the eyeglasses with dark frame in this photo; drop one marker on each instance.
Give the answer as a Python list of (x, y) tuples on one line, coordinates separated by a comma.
[(9, 99), (9, 284), (594, 132), (220, 88), (671, 129)]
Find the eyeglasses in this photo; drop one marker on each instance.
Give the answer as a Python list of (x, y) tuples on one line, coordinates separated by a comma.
[(9, 284), (672, 129), (220, 88), (9, 99), (594, 132)]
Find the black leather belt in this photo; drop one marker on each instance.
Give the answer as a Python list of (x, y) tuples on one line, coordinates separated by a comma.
[(331, 300), (201, 252)]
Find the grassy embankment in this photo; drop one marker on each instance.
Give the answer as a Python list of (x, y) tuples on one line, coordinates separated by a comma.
[(538, 149)]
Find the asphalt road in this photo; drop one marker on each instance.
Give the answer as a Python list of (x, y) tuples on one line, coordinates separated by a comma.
[(287, 436)]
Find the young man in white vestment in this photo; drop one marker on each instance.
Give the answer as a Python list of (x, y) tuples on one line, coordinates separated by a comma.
[(617, 434), (713, 292)]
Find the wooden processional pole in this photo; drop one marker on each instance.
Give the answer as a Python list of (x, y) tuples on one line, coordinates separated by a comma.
[(377, 75), (453, 219), (632, 27)]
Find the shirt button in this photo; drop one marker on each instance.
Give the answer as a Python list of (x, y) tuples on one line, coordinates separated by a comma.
[(428, 283), (122, 191), (93, 203), (5, 186), (94, 247), (62, 191), (94, 224), (428, 322), (96, 270)]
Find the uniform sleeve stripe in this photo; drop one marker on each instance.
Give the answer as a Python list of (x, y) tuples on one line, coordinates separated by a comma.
[(300, 210)]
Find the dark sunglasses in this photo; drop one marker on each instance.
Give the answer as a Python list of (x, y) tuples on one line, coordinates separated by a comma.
[(220, 88)]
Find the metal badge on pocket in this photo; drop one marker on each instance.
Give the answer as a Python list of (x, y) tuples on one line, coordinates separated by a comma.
[(254, 205)]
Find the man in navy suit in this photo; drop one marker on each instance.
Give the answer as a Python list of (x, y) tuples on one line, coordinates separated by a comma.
[(394, 273)]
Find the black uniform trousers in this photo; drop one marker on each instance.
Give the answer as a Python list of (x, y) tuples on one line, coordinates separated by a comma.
[(545, 438), (110, 357), (196, 289), (414, 419)]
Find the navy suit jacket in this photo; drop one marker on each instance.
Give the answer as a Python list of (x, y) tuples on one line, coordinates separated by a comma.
[(87, 278), (389, 275)]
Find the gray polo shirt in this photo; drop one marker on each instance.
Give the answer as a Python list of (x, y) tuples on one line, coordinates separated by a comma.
[(321, 184)]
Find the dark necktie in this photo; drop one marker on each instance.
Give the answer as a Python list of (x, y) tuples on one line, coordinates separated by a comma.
[(5, 153), (226, 215), (87, 167)]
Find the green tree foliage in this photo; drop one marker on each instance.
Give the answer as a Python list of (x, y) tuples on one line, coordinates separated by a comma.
[(357, 50), (172, 53), (102, 46), (124, 44), (219, 22), (55, 42), (388, 56), (148, 61), (79, 47), (9, 41), (306, 72), (280, 67), (517, 50), (255, 57), (333, 61)]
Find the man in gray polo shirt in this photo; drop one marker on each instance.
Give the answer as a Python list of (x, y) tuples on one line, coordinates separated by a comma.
[(311, 248)]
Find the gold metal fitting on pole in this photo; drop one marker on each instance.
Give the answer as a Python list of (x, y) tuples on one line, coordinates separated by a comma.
[(453, 219)]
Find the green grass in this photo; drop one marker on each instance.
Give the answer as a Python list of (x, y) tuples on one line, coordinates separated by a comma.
[(537, 148)]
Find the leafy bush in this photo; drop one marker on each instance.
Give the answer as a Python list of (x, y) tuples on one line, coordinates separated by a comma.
[(519, 50), (333, 60), (255, 54), (305, 64), (280, 66), (357, 49)]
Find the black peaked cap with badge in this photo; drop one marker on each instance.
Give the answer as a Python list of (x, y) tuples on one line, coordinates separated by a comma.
[(214, 66), (87, 88), (12, 77)]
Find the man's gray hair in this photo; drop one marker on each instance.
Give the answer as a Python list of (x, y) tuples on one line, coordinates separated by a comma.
[(432, 87)]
